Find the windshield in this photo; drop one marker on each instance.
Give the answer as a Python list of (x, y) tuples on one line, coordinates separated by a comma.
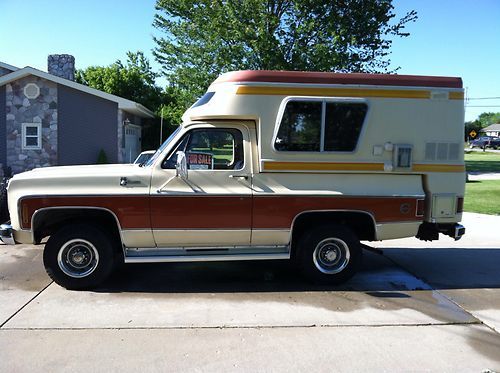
[(162, 148)]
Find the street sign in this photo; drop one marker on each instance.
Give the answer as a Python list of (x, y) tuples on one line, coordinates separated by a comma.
[(472, 133)]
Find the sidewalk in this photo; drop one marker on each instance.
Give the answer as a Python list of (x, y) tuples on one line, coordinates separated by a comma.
[(477, 176)]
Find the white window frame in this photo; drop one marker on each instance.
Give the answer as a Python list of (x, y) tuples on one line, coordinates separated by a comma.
[(324, 101), (38, 126)]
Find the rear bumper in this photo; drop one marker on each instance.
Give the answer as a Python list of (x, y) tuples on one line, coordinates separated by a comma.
[(430, 231), (456, 231), (6, 234)]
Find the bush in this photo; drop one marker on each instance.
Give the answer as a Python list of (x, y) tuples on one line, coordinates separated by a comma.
[(102, 158)]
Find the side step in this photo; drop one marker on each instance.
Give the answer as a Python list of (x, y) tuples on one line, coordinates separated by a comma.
[(205, 254)]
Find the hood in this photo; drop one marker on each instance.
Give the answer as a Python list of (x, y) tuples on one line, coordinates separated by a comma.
[(91, 179), (117, 170)]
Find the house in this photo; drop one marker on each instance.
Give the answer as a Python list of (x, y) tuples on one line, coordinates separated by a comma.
[(492, 130), (47, 119)]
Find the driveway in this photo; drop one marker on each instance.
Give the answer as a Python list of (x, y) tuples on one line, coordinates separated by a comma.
[(419, 306)]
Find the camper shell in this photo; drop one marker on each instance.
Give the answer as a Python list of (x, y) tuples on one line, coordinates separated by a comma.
[(266, 165)]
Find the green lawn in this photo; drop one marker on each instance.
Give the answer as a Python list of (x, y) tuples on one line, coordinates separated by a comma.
[(483, 197), (482, 162)]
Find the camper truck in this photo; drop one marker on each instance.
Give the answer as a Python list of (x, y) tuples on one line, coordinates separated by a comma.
[(266, 165)]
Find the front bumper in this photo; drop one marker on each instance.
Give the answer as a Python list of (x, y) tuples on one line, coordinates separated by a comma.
[(6, 234)]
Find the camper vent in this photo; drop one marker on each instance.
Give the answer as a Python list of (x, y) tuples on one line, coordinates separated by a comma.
[(442, 151), (402, 156)]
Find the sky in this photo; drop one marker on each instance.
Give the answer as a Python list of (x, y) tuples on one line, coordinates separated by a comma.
[(450, 38)]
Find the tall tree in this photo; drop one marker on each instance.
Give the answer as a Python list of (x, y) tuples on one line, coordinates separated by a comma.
[(485, 119), (204, 38), (133, 80)]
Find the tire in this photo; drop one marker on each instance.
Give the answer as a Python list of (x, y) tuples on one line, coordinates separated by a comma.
[(79, 256), (329, 254)]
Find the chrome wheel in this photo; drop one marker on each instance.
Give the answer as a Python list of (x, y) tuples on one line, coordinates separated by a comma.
[(331, 255), (78, 258)]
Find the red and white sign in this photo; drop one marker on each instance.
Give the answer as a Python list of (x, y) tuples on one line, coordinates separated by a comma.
[(200, 161)]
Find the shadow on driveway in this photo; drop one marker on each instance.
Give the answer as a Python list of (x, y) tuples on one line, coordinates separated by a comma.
[(441, 268)]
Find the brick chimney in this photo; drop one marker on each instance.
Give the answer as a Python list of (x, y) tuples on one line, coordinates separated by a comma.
[(61, 65)]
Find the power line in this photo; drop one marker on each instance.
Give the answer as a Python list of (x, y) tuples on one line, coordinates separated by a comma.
[(482, 105), (483, 98)]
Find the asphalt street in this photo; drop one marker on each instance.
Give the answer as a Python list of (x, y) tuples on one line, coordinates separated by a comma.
[(420, 306)]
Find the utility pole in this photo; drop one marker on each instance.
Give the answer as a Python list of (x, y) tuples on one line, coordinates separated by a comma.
[(161, 126)]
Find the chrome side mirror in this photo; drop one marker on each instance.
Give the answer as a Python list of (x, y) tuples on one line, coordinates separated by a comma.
[(181, 166)]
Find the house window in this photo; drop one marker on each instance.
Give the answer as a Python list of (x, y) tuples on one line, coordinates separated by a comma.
[(32, 136), (320, 126)]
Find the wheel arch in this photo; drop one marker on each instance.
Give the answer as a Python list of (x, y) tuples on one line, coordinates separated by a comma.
[(48, 220), (361, 222)]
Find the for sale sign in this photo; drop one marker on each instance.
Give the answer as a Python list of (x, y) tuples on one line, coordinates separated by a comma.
[(200, 161)]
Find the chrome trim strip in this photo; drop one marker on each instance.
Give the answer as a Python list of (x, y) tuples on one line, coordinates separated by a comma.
[(198, 248), (331, 194), (243, 229), (206, 258)]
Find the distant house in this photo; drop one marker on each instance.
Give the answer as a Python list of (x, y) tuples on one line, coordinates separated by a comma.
[(47, 119), (493, 130)]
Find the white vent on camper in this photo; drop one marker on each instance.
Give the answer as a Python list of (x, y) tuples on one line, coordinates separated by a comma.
[(402, 156), (439, 95), (442, 151), (31, 91)]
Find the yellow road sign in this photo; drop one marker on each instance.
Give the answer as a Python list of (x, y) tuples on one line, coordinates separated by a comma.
[(472, 133)]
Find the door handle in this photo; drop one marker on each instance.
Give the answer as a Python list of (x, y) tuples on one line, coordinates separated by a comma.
[(245, 177), (124, 181)]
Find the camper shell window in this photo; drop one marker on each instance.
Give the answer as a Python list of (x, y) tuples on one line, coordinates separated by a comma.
[(320, 126), (203, 99)]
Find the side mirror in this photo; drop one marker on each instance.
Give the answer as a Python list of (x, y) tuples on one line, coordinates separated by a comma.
[(181, 166)]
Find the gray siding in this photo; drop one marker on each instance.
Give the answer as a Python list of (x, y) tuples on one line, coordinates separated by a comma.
[(86, 124), (3, 128)]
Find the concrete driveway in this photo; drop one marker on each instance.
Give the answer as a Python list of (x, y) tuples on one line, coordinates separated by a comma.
[(419, 307)]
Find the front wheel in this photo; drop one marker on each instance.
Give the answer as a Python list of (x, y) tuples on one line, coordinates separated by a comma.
[(329, 254), (79, 256)]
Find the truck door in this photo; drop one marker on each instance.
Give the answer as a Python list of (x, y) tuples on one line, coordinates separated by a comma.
[(212, 207)]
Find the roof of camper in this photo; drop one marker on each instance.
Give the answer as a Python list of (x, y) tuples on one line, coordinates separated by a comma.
[(303, 77)]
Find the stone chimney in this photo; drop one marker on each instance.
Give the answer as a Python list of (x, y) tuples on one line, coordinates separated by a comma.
[(61, 65)]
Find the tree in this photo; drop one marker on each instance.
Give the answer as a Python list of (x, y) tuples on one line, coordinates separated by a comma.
[(134, 80), (485, 119), (482, 121), (204, 38)]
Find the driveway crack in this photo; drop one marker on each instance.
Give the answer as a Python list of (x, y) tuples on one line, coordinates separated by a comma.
[(24, 306)]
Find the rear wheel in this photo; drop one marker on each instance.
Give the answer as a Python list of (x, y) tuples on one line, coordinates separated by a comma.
[(329, 254), (79, 256)]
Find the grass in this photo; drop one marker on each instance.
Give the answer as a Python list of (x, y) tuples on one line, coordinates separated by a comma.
[(483, 197), (482, 162)]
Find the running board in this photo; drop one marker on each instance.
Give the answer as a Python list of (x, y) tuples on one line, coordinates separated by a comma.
[(205, 254)]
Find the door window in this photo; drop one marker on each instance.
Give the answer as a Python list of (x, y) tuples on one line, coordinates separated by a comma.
[(210, 149)]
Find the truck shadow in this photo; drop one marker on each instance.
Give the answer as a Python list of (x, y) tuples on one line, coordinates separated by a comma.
[(395, 271)]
